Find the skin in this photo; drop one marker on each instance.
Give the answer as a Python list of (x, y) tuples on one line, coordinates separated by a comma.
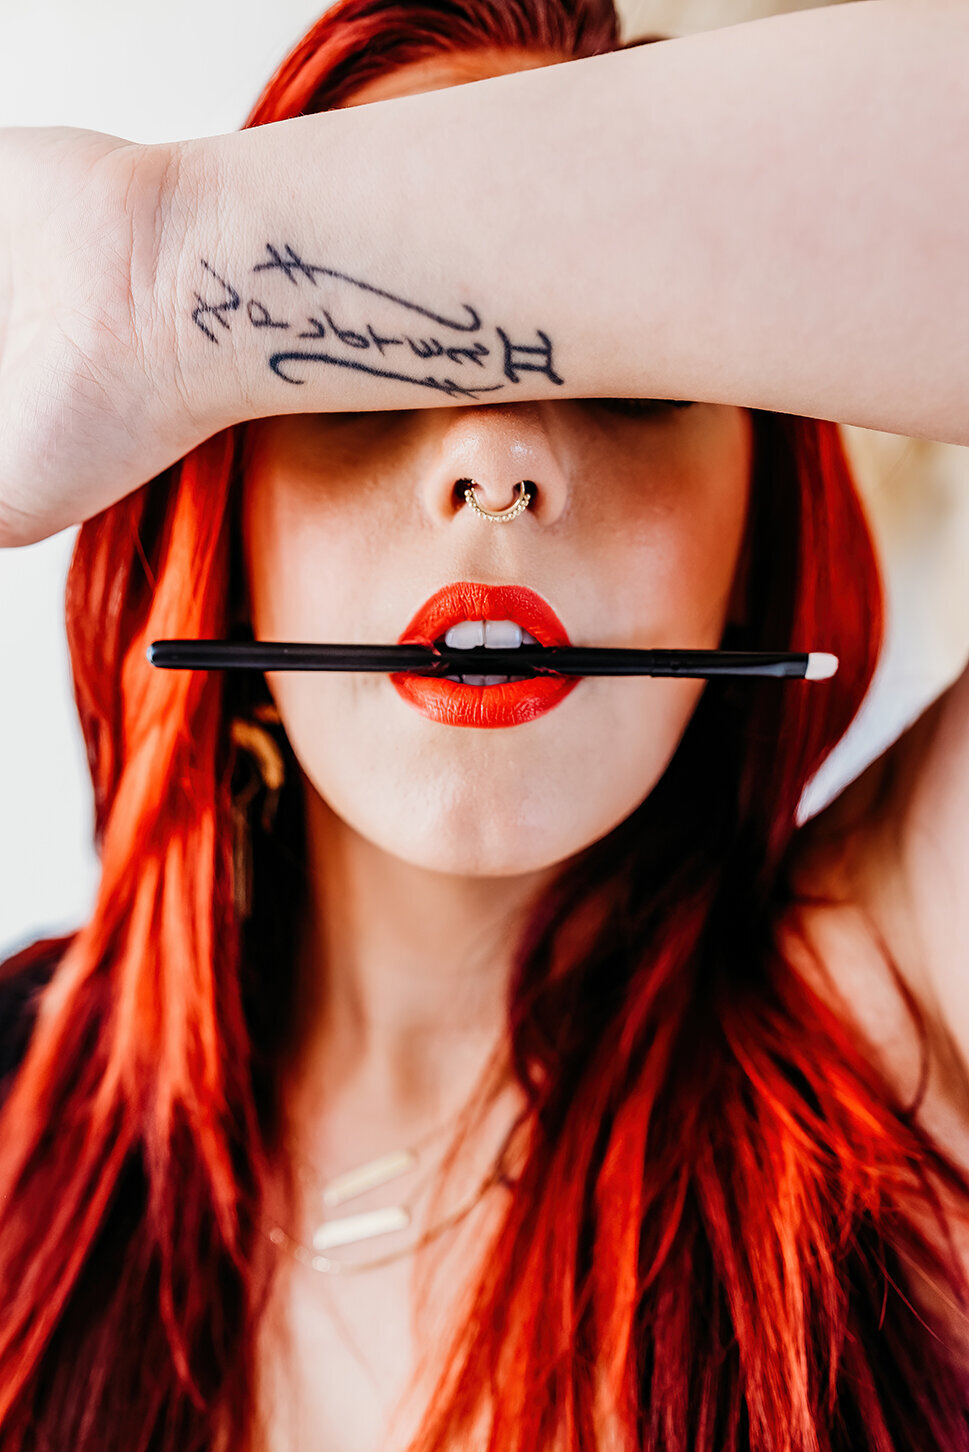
[(634, 537), (425, 839), (426, 842)]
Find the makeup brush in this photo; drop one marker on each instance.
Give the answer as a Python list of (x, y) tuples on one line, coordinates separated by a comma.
[(525, 660)]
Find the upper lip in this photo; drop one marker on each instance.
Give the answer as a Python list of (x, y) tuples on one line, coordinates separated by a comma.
[(471, 600)]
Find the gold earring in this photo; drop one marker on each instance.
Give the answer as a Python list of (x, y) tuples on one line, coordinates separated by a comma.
[(267, 773)]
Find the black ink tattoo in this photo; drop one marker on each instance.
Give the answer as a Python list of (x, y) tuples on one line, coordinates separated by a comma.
[(380, 342), (425, 347), (513, 365), (364, 336), (264, 318), (445, 385), (293, 264), (347, 336), (218, 310), (317, 329), (473, 354)]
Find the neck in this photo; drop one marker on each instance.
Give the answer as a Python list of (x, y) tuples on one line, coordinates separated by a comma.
[(403, 982)]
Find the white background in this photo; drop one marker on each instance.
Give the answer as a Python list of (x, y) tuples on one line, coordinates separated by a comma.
[(194, 69)]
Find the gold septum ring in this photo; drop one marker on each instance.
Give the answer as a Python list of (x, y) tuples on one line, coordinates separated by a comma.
[(499, 516)]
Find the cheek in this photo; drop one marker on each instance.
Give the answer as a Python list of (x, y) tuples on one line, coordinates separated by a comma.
[(306, 562), (655, 568), (312, 567), (686, 537)]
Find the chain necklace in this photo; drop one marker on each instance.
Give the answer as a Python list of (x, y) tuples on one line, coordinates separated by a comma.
[(350, 1229)]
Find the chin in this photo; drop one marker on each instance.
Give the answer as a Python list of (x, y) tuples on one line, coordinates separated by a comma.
[(498, 854), (479, 838)]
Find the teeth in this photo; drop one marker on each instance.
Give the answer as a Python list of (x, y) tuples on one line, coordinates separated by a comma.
[(466, 635), (483, 680), (502, 634), (494, 634)]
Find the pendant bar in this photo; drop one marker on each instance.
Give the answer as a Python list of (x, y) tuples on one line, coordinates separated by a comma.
[(350, 1228), (366, 1177)]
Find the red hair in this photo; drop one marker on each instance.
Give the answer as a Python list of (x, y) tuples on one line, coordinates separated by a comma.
[(715, 1212)]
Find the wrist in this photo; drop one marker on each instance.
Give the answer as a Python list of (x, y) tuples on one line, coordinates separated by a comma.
[(201, 388)]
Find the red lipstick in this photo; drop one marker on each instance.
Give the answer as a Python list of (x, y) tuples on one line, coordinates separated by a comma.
[(452, 702)]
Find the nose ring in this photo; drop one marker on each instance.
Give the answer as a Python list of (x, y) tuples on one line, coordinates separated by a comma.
[(499, 516)]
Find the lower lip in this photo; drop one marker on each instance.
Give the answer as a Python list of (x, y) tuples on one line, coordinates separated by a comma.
[(455, 704)]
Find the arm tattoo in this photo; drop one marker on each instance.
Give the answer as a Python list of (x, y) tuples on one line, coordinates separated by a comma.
[(360, 325)]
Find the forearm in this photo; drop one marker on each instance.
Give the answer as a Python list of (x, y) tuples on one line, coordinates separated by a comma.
[(773, 215)]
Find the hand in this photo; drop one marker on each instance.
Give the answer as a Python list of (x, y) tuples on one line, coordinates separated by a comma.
[(88, 409)]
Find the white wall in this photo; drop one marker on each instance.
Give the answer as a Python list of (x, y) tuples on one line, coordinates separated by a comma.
[(148, 73), (194, 69)]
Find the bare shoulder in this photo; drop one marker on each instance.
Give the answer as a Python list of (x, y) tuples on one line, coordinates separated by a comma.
[(884, 873), (885, 868)]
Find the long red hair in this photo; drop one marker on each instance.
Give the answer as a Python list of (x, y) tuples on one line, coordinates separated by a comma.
[(712, 1212)]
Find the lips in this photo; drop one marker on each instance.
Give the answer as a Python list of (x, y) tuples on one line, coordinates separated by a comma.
[(455, 704)]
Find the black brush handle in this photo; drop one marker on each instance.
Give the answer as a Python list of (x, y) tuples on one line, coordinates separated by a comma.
[(526, 660)]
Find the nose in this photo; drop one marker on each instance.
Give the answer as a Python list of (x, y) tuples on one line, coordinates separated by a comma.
[(496, 445)]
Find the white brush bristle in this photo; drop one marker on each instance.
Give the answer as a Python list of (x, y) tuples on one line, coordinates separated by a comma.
[(820, 665)]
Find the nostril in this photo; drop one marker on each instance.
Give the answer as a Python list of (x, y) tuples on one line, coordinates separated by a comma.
[(457, 494)]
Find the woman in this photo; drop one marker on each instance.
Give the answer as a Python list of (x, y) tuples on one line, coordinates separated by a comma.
[(674, 1163)]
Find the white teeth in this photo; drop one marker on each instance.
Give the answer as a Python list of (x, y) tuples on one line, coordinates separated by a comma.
[(494, 634), (465, 635), (483, 680), (502, 634)]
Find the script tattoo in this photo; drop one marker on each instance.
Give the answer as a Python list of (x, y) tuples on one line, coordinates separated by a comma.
[(360, 325)]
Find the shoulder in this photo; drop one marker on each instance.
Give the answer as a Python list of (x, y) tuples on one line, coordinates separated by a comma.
[(881, 881), (905, 833), (23, 977), (877, 928)]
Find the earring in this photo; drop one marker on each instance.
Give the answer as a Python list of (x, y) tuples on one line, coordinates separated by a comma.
[(258, 766)]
